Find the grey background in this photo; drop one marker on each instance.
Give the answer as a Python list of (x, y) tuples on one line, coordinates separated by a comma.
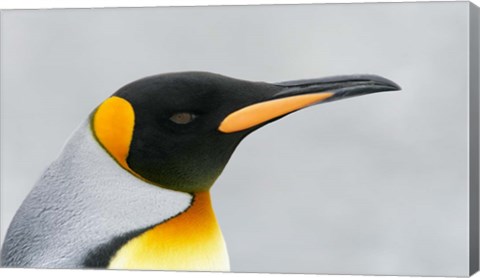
[(371, 185)]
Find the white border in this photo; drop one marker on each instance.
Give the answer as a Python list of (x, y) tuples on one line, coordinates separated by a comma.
[(48, 4)]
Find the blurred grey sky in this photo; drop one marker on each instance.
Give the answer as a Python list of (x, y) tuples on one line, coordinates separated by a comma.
[(370, 185)]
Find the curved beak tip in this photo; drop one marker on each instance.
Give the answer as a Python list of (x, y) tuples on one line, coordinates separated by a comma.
[(298, 94)]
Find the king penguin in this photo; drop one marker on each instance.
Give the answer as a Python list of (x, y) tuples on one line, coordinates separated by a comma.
[(130, 189)]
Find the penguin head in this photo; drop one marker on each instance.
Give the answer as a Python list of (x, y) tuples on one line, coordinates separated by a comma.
[(179, 130)]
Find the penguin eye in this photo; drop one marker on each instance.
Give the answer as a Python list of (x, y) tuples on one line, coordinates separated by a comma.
[(182, 118)]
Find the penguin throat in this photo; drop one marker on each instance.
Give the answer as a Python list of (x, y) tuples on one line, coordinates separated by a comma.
[(191, 240)]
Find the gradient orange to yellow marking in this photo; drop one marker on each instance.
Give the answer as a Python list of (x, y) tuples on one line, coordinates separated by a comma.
[(113, 125), (258, 113), (190, 241)]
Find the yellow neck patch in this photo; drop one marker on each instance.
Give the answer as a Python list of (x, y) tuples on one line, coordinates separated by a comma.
[(113, 124), (189, 241)]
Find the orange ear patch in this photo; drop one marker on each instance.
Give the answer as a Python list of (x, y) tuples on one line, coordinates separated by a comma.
[(113, 124)]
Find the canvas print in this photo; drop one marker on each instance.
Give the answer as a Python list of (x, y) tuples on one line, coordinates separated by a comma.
[(329, 139)]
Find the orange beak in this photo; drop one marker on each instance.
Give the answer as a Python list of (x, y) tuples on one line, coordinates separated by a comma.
[(296, 95)]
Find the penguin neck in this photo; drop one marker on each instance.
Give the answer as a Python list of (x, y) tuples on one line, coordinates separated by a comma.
[(191, 240)]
